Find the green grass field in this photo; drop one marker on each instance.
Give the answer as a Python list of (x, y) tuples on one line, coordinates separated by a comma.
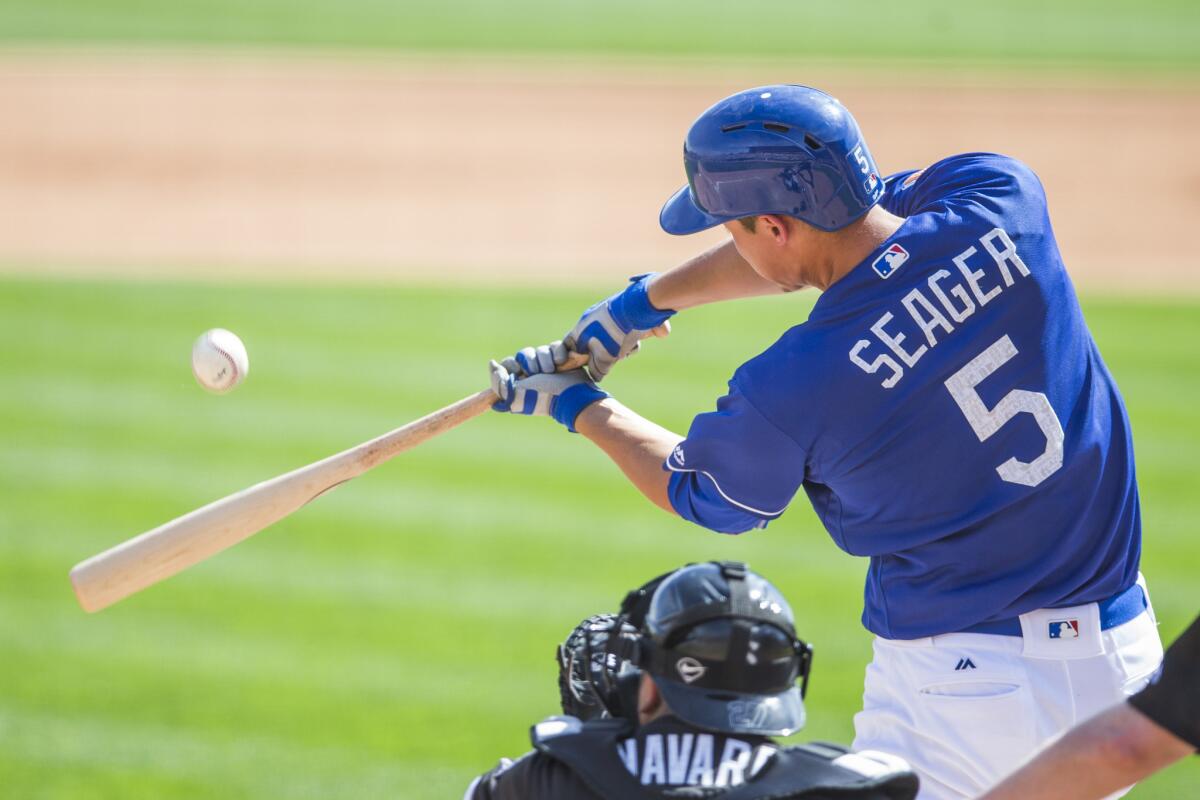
[(395, 637), (1114, 35)]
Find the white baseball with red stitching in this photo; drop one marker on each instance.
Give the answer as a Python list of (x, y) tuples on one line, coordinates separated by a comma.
[(219, 360)]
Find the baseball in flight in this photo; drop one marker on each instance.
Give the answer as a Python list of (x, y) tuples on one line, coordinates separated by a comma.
[(219, 360)]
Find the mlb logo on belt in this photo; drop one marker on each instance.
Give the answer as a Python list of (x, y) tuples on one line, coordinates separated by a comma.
[(890, 260), (1064, 629)]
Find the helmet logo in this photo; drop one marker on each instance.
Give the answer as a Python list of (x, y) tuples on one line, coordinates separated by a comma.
[(690, 669)]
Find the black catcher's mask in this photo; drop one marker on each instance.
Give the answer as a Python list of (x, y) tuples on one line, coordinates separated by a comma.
[(596, 674), (589, 663), (719, 641)]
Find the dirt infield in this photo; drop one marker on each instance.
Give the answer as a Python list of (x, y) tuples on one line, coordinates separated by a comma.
[(226, 166)]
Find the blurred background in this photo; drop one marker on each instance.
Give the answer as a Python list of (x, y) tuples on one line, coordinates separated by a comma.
[(378, 196)]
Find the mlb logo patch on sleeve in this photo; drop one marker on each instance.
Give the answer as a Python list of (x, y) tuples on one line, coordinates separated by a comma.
[(1064, 629), (889, 260)]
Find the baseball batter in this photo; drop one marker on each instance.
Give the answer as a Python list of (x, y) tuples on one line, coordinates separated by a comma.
[(944, 408)]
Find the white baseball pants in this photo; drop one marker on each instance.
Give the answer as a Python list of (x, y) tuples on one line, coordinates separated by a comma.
[(966, 709)]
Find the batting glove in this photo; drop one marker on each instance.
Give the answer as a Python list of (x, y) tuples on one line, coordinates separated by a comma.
[(613, 328), (561, 395)]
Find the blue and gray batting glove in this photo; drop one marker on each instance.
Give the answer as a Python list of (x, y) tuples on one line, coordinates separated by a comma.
[(545, 393), (613, 328)]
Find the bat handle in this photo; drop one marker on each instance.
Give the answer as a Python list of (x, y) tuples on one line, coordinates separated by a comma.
[(574, 361)]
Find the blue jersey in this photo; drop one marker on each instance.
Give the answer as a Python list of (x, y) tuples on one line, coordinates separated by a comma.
[(947, 413)]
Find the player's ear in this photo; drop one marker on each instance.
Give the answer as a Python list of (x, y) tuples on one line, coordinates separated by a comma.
[(649, 699), (777, 227)]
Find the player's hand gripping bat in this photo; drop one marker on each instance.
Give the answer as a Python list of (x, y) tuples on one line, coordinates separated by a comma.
[(158, 554)]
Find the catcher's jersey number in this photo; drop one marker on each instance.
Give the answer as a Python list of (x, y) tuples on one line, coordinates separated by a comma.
[(986, 422)]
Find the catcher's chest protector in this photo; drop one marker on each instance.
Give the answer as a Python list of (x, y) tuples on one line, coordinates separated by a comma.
[(592, 751)]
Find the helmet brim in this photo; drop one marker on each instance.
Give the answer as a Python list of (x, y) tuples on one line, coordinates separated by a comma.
[(734, 712), (680, 215)]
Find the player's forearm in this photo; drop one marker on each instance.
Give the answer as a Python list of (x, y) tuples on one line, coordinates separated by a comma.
[(639, 447), (1109, 752), (715, 275)]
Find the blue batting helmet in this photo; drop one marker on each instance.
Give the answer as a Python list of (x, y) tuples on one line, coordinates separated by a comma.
[(785, 149)]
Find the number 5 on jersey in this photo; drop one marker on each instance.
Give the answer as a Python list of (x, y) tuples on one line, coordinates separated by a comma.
[(985, 423)]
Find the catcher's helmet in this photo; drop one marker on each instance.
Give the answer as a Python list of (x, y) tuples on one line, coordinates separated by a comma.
[(720, 642), (781, 149)]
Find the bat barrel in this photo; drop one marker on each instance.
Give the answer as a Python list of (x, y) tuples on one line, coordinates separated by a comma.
[(168, 549)]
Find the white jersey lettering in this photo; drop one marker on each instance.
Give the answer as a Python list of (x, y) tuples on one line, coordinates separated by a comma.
[(973, 276), (958, 300), (679, 753), (957, 290), (894, 342), (1003, 257), (883, 359), (628, 751), (761, 756), (932, 319), (654, 768), (701, 773), (735, 760)]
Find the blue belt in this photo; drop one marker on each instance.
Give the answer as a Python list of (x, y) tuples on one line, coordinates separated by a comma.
[(1117, 610)]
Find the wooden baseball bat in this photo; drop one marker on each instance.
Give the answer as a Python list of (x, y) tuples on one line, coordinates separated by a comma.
[(161, 552)]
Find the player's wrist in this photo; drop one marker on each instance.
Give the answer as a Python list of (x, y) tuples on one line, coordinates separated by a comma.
[(569, 404), (633, 309), (596, 415)]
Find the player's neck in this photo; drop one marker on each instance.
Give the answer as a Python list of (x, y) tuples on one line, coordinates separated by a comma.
[(658, 712), (834, 255)]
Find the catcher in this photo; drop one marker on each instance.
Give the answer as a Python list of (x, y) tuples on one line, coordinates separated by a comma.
[(678, 696)]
